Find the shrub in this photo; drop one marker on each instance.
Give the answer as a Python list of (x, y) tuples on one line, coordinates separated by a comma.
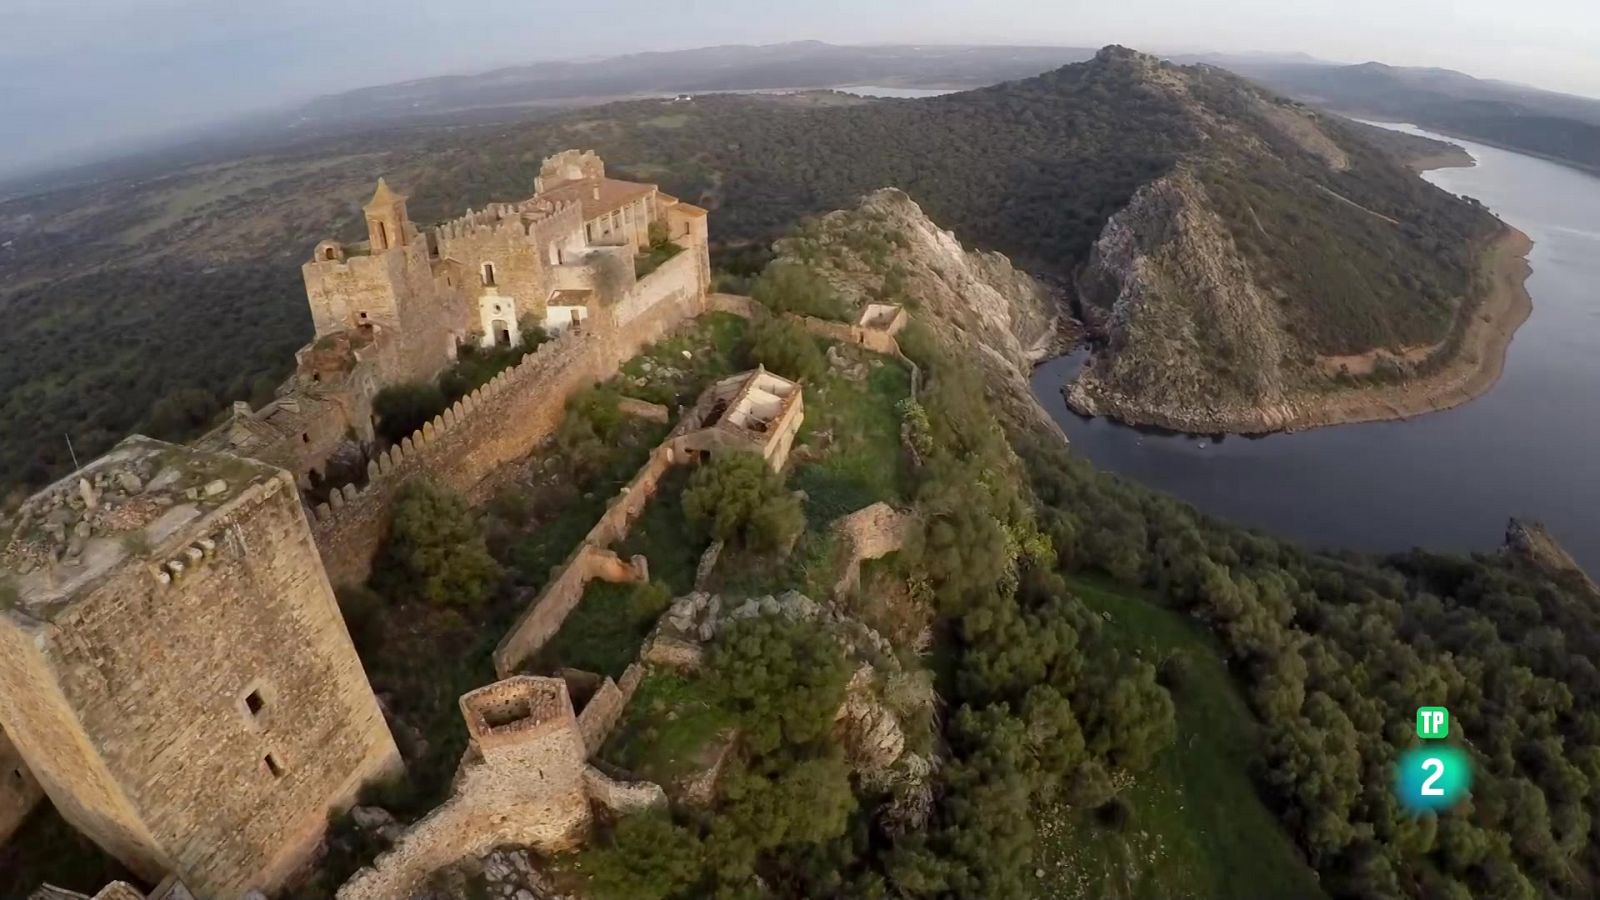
[(787, 349), (791, 287), (649, 858), (435, 552), (403, 408), (784, 679), (739, 499)]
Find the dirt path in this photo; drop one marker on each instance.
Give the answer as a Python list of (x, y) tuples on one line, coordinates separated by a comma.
[(1478, 365)]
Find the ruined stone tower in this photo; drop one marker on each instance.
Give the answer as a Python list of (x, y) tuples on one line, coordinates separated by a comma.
[(175, 671), (521, 783)]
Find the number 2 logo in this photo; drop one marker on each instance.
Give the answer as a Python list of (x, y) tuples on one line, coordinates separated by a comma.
[(1436, 766)]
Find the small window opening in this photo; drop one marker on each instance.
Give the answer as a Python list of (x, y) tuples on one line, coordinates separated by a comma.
[(383, 237), (18, 778), (488, 274), (274, 765), (330, 253), (305, 438), (363, 316)]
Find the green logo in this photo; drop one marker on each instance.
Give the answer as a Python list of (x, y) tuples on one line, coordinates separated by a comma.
[(1433, 723)]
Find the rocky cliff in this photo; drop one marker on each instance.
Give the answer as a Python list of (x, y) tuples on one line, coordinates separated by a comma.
[(886, 249), (1191, 342), (1287, 272)]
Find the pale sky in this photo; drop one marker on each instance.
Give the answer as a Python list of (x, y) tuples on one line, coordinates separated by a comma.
[(83, 76)]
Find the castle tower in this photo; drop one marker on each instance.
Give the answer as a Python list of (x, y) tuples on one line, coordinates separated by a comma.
[(388, 226), (175, 671), (524, 730)]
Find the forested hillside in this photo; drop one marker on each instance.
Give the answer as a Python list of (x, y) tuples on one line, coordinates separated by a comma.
[(1334, 652)]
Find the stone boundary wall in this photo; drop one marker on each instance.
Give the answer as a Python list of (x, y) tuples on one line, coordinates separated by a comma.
[(876, 340), (640, 409), (871, 532), (604, 709), (621, 798), (561, 595), (499, 422)]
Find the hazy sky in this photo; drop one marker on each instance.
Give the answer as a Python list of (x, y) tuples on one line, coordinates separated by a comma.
[(78, 76)]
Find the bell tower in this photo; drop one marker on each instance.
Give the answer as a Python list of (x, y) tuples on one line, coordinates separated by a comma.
[(388, 226)]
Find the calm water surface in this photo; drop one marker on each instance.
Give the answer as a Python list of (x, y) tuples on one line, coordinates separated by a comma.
[(1447, 481)]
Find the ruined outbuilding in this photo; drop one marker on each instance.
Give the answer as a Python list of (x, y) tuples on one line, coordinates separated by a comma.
[(752, 412), (174, 669)]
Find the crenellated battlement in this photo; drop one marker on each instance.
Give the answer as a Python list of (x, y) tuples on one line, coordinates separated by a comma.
[(504, 218)]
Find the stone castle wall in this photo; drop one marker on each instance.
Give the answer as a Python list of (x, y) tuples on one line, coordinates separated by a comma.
[(503, 420)]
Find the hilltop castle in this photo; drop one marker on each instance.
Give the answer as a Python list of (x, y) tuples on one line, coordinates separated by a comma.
[(396, 307), (174, 670)]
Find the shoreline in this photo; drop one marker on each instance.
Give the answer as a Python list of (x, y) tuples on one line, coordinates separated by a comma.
[(1478, 364)]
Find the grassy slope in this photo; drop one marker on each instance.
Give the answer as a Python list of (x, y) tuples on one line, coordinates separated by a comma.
[(1199, 829)]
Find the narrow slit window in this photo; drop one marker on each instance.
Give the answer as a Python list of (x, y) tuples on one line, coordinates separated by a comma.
[(274, 765)]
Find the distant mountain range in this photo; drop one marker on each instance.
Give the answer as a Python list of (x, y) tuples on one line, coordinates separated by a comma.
[(802, 64), (1558, 126), (1561, 127)]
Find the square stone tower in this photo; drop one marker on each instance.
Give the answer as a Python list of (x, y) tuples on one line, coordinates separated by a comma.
[(175, 671)]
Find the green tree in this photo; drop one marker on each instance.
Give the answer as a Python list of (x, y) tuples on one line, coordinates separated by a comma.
[(785, 679), (435, 552), (738, 498), (792, 287), (787, 349), (180, 414), (403, 408), (647, 858)]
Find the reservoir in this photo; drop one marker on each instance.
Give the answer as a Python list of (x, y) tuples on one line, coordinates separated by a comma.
[(1445, 481)]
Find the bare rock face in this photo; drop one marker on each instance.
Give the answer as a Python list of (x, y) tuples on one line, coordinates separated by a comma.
[(977, 298), (1168, 294)]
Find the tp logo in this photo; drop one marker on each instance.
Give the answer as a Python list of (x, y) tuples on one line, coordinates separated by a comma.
[(1432, 778), (1433, 723)]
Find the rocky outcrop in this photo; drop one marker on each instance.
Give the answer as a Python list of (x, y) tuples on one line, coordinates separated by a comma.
[(1533, 543), (1166, 293), (886, 249)]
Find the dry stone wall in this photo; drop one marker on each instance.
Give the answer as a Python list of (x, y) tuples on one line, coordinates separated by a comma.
[(600, 714), (589, 561)]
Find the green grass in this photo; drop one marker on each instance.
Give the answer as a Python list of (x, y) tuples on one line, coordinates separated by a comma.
[(862, 462), (1199, 828), (665, 537), (554, 534), (715, 343), (605, 630), (668, 729), (604, 633)]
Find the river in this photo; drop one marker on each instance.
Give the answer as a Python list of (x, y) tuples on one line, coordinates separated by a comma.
[(1446, 481)]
